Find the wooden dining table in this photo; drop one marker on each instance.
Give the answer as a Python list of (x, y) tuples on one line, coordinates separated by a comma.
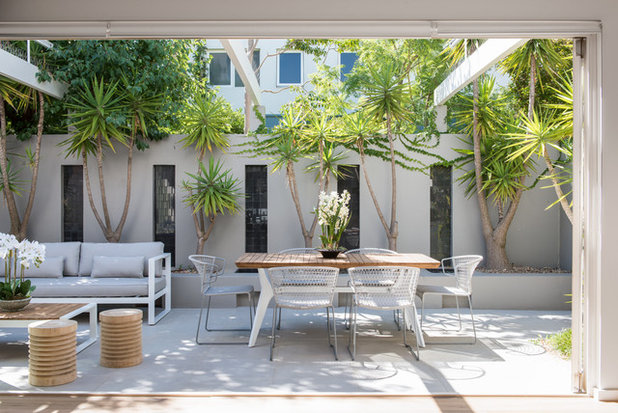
[(263, 261)]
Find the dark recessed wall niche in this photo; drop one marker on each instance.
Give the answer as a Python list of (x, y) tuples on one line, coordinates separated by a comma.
[(350, 181), (72, 203), (441, 244), (256, 208), (165, 207)]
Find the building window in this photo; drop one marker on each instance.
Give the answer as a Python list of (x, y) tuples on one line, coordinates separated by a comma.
[(347, 61), (349, 180), (72, 203), (220, 69), (441, 212), (270, 121), (165, 207), (256, 208), (289, 69), (255, 64)]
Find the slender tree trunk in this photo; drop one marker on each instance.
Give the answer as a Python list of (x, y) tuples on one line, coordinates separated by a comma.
[(203, 235), (4, 168), (23, 231), (564, 203), (251, 45), (314, 223), (361, 152), (127, 199), (291, 176), (495, 240), (106, 216), (394, 226), (532, 87), (93, 207)]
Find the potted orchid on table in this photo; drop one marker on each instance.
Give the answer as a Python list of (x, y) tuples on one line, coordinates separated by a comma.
[(16, 257), (333, 217)]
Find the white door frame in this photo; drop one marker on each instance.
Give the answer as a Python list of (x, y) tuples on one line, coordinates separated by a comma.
[(587, 128)]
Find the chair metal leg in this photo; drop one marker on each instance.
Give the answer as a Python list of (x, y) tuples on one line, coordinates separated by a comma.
[(405, 343), (422, 310), (352, 334), (472, 317), (207, 314), (199, 321), (272, 339), (334, 327), (458, 312), (279, 323)]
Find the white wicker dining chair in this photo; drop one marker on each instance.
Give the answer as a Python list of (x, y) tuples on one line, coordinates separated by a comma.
[(305, 288), (210, 268), (295, 251), (383, 288), (371, 250), (463, 269)]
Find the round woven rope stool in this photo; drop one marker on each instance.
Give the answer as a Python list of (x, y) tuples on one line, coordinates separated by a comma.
[(52, 358), (121, 337)]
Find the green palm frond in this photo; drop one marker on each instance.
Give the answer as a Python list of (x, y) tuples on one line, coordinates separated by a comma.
[(96, 113), (213, 190), (385, 92), (536, 134), (15, 184), (207, 122)]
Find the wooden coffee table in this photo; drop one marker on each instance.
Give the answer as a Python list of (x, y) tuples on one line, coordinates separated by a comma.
[(37, 312)]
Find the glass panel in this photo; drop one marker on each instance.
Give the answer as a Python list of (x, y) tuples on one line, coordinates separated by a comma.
[(256, 208), (350, 181), (271, 121), (72, 203), (256, 63), (441, 212), (289, 68), (220, 69), (165, 207), (347, 63)]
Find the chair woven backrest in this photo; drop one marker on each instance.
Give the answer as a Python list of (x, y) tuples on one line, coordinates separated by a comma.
[(464, 266), (299, 251), (303, 287), (209, 268), (384, 287), (371, 251)]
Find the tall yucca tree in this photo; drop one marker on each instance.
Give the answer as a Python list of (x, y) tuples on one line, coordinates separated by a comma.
[(551, 127), (19, 97), (104, 115), (213, 191), (481, 117), (385, 94), (207, 123), (534, 58)]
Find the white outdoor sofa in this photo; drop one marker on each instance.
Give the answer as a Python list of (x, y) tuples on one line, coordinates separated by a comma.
[(105, 273)]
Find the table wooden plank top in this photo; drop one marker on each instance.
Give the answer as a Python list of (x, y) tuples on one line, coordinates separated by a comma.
[(40, 312), (343, 261)]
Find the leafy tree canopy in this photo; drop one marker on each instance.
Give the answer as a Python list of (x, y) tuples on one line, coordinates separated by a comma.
[(160, 67)]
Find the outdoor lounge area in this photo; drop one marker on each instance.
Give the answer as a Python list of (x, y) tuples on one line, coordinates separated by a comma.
[(328, 207)]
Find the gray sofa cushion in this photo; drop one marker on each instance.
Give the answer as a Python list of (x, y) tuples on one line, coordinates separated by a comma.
[(117, 267), (52, 267), (68, 250), (124, 249), (93, 287)]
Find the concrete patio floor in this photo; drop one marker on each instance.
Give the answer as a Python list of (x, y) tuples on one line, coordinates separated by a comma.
[(502, 362)]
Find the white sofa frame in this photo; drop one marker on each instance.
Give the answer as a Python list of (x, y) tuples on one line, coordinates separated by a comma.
[(149, 299)]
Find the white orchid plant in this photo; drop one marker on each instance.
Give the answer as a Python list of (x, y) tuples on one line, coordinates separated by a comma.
[(16, 257), (333, 217)]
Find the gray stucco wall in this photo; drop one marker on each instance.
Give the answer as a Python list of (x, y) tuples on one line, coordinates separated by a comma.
[(534, 239)]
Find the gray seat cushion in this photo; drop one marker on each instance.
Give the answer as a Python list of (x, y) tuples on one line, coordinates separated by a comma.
[(121, 249), (68, 250), (93, 287)]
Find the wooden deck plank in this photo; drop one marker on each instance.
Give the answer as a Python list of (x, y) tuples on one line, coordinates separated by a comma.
[(41, 312), (67, 403)]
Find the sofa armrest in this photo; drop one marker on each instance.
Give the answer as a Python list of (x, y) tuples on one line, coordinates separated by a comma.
[(167, 271)]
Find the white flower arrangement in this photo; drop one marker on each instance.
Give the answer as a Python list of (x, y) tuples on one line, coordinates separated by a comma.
[(333, 216), (18, 256)]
